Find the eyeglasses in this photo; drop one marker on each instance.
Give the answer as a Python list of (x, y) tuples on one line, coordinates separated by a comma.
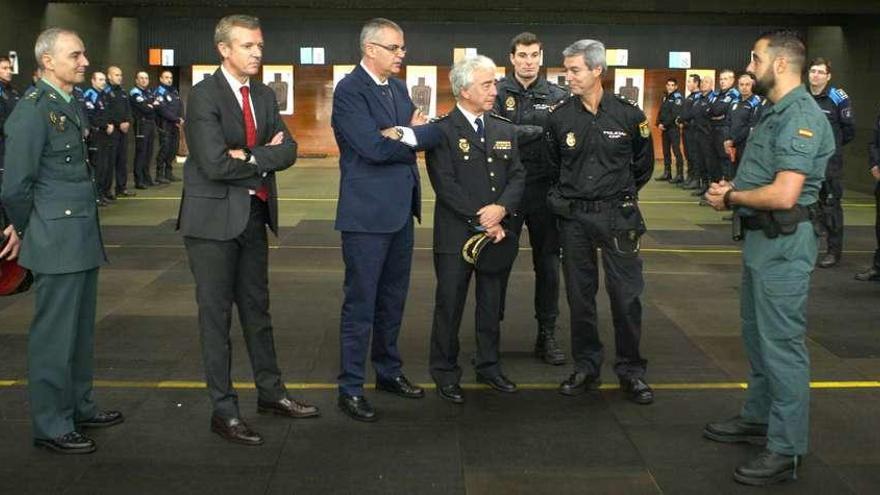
[(391, 48), (818, 71)]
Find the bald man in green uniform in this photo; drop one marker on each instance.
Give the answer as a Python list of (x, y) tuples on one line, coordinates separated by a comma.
[(774, 196), (49, 195)]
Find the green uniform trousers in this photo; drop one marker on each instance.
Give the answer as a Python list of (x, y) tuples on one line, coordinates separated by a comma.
[(775, 283), (60, 352)]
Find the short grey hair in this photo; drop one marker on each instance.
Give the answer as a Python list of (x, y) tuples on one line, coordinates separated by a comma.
[(370, 31), (593, 52), (46, 41), (224, 27), (462, 74)]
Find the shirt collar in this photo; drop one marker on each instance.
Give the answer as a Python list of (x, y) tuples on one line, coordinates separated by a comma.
[(791, 97), (374, 77), (64, 94), (470, 116), (233, 82)]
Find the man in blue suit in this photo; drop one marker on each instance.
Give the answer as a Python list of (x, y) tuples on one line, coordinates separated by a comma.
[(378, 130)]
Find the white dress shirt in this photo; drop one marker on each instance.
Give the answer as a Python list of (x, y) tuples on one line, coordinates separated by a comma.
[(472, 118)]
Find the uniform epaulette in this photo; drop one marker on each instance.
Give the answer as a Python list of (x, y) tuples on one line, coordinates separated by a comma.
[(35, 95), (135, 91), (837, 95), (627, 100), (440, 117), (559, 104), (500, 117)]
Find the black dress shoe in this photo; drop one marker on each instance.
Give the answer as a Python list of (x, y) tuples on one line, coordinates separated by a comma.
[(235, 430), (171, 178), (451, 392), (71, 443), (736, 429), (400, 386), (665, 177), (871, 274), (102, 420), (578, 383), (109, 198), (677, 180), (140, 186), (498, 382), (357, 407), (637, 390), (767, 468), (829, 260), (126, 193), (287, 407)]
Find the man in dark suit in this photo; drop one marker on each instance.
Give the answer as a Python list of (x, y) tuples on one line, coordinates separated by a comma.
[(378, 197), (479, 181), (237, 142), (49, 195)]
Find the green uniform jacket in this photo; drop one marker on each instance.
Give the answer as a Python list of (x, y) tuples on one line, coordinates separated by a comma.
[(48, 188)]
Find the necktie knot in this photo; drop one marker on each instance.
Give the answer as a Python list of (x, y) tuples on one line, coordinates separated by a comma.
[(245, 91), (480, 130)]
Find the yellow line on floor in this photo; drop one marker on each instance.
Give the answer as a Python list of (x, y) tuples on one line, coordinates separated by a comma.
[(326, 200), (186, 385), (324, 248)]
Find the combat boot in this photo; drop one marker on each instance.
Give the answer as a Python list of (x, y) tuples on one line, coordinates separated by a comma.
[(546, 347)]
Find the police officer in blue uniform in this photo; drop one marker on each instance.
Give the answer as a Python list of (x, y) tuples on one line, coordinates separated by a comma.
[(170, 118), (686, 123), (143, 108), (719, 115), (526, 99), (600, 150), (9, 97), (836, 105), (703, 135), (743, 116), (101, 143), (667, 118), (120, 110)]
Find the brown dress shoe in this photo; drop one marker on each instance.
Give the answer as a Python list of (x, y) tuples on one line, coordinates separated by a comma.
[(235, 430), (287, 407)]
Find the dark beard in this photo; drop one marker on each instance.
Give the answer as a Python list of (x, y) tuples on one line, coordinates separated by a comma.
[(765, 84)]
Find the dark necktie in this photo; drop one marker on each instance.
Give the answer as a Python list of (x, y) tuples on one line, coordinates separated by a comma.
[(480, 131), (250, 133)]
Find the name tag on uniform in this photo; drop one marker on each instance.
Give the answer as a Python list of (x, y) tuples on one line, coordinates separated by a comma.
[(614, 134), (502, 145)]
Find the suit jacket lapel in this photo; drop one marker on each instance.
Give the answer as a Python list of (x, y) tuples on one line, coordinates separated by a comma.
[(228, 98), (261, 112), (467, 130), (374, 88)]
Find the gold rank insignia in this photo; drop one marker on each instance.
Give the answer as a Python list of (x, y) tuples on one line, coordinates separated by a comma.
[(570, 140), (644, 130), (57, 121), (502, 145), (805, 133), (510, 103), (464, 145)]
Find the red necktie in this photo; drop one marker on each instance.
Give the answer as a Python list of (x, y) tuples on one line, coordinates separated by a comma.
[(250, 132)]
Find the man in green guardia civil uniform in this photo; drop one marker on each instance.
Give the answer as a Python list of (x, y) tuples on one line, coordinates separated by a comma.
[(49, 195), (774, 194)]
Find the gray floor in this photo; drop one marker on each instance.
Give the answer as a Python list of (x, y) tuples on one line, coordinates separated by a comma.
[(533, 442)]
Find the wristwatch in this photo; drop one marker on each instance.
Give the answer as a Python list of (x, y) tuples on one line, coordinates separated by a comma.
[(247, 154), (399, 133)]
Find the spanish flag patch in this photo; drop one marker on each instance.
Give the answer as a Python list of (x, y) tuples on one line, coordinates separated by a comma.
[(805, 133)]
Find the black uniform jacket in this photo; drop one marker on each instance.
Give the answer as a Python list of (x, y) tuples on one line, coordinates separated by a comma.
[(468, 174)]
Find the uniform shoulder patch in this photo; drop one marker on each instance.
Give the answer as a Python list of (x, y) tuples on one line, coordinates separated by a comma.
[(838, 96), (806, 133), (440, 117), (35, 95), (500, 117)]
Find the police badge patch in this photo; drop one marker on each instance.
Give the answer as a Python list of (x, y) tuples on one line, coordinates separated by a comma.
[(464, 145), (510, 103), (570, 140), (644, 129)]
